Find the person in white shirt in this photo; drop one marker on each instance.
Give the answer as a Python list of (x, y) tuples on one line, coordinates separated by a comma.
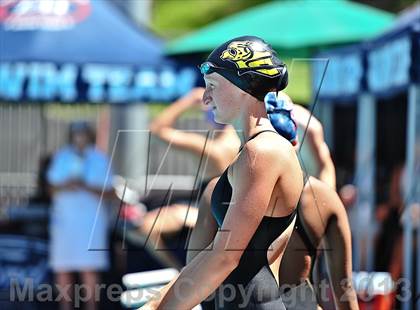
[(80, 178)]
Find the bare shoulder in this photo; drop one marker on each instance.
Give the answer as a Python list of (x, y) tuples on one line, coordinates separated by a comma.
[(271, 147), (265, 159)]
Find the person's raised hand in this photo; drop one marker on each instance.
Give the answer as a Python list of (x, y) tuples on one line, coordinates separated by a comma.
[(196, 95)]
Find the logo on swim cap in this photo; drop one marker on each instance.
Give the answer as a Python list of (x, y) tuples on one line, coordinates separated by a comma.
[(251, 55)]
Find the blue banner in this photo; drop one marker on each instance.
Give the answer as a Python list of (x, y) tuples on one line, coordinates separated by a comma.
[(338, 74), (46, 82), (83, 51), (389, 62), (382, 66)]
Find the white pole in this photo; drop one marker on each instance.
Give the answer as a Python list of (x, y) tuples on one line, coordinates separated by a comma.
[(140, 10), (411, 167), (326, 115), (418, 233), (414, 97), (129, 134), (365, 181)]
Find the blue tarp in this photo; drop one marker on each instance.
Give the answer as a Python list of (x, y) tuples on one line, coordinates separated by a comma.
[(383, 66), (390, 63), (82, 50), (339, 74)]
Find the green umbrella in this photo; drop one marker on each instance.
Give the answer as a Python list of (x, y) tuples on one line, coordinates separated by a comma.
[(291, 25), (294, 28)]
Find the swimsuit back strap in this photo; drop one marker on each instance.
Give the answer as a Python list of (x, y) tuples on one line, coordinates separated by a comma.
[(255, 135)]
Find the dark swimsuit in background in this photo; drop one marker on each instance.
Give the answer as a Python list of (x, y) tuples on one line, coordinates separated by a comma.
[(252, 284)]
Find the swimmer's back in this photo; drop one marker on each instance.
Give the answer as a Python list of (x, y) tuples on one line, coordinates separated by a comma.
[(314, 212), (322, 219)]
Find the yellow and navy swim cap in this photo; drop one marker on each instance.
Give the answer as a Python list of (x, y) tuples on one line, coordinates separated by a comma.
[(249, 63)]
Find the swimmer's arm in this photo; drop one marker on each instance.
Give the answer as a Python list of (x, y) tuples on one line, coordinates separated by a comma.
[(163, 125), (338, 254), (321, 153), (315, 137), (205, 229), (168, 117), (252, 185)]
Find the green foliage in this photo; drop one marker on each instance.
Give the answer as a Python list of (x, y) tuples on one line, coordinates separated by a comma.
[(174, 18), (394, 6)]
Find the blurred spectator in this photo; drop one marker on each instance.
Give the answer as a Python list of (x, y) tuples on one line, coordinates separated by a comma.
[(389, 238), (78, 176)]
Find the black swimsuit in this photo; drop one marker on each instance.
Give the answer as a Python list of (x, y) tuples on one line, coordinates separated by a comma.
[(252, 284)]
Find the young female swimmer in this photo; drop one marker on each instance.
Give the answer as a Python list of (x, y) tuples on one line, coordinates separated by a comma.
[(320, 216), (254, 201)]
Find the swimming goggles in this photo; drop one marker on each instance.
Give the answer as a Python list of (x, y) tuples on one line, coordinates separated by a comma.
[(209, 67)]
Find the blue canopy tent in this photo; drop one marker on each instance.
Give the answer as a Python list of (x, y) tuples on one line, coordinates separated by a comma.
[(82, 50), (78, 51), (337, 75), (371, 65), (378, 69)]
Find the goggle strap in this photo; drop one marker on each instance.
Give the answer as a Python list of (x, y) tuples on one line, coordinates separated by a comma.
[(211, 65)]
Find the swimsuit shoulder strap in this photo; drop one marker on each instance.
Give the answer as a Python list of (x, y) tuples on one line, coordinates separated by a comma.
[(260, 132), (255, 135)]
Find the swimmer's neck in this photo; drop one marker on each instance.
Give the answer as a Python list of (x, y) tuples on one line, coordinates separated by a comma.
[(238, 128), (252, 120)]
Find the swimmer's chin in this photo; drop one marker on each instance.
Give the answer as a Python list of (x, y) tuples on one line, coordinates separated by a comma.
[(220, 122)]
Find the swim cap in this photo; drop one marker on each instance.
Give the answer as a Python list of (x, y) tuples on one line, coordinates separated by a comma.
[(249, 63)]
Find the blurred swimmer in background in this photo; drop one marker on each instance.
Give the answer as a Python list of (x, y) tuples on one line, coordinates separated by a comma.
[(218, 148)]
